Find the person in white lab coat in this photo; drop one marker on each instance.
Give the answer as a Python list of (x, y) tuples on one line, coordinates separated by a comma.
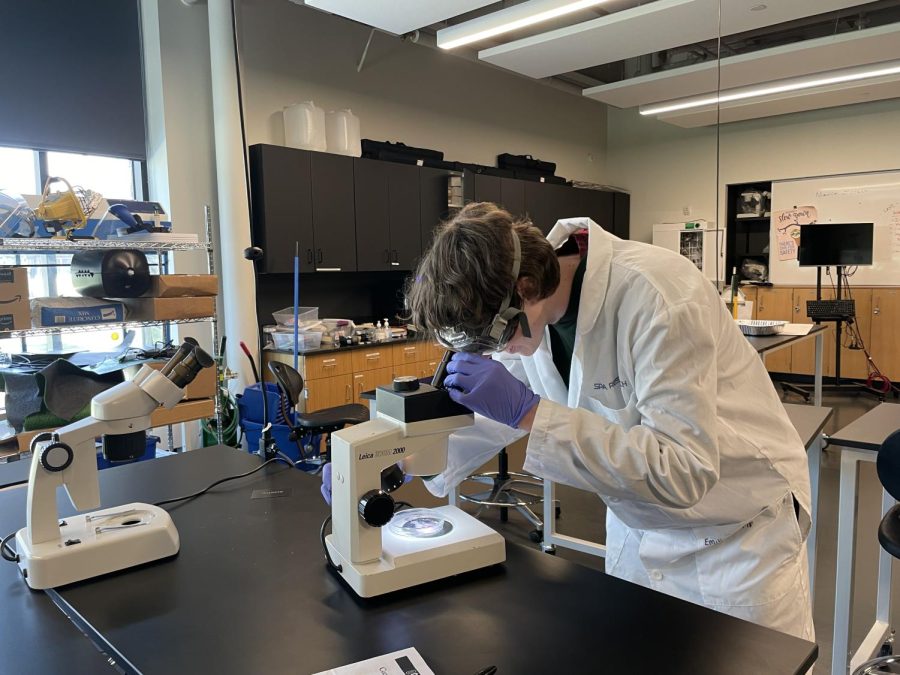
[(635, 384)]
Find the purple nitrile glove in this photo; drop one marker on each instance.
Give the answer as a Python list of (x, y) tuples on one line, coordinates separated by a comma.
[(486, 387), (326, 483)]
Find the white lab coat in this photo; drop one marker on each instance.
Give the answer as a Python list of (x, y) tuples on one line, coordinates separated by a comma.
[(670, 417)]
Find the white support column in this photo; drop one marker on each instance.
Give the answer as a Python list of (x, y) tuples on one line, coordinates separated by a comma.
[(237, 274)]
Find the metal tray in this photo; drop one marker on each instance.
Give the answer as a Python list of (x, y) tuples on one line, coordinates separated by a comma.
[(758, 327)]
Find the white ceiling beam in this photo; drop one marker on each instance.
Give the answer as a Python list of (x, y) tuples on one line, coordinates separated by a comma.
[(793, 102), (655, 26), (800, 58), (397, 16), (506, 20)]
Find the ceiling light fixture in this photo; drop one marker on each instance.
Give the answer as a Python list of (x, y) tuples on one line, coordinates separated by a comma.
[(778, 87), (509, 19)]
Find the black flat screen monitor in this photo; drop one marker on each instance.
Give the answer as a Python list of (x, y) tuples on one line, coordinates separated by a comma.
[(824, 244)]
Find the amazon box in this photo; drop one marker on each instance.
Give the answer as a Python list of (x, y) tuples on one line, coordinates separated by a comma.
[(15, 310), (182, 285), (167, 309)]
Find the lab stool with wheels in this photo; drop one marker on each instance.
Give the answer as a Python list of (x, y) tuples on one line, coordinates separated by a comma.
[(888, 465), (510, 490), (290, 383)]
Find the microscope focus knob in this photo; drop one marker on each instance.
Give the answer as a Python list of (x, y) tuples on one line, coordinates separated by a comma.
[(56, 457), (377, 508)]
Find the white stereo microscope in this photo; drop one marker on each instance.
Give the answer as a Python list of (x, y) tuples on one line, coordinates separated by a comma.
[(373, 554), (54, 553)]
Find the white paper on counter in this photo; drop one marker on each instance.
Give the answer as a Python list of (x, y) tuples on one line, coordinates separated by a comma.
[(797, 329), (386, 665)]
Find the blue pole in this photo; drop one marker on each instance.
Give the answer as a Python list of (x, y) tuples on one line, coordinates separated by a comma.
[(296, 304)]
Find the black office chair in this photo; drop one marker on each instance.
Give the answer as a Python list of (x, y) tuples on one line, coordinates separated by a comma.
[(290, 384), (888, 464)]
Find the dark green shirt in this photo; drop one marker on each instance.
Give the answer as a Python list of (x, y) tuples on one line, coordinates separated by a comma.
[(562, 333)]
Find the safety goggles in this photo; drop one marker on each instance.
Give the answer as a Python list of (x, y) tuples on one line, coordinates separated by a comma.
[(497, 335)]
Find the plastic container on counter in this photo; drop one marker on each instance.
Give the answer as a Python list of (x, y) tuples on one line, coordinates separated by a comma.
[(306, 340), (306, 316)]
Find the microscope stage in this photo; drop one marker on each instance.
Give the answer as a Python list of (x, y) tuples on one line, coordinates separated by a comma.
[(406, 561)]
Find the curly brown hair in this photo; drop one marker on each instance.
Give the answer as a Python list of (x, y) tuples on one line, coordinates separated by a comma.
[(465, 276)]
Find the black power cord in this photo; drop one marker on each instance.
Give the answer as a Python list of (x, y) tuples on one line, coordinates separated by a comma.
[(224, 480), (6, 551)]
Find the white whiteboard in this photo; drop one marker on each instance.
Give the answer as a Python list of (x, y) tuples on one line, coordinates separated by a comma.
[(858, 198)]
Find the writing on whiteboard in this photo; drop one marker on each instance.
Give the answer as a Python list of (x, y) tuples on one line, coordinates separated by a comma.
[(892, 211), (858, 190)]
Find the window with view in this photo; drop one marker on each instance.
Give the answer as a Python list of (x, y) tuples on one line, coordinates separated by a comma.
[(24, 172)]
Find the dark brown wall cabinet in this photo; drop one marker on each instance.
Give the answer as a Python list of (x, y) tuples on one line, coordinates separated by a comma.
[(282, 211), (351, 214), (388, 232)]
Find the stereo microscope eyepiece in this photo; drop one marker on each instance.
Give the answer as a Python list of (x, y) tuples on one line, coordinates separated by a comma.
[(184, 365)]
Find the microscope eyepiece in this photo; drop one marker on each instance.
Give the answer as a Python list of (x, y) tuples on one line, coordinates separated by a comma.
[(184, 365)]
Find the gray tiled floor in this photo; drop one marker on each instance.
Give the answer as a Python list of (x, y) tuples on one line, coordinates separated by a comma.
[(583, 513)]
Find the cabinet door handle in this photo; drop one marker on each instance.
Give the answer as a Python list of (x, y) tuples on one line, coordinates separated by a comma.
[(396, 261), (309, 256), (318, 255), (876, 311), (349, 393)]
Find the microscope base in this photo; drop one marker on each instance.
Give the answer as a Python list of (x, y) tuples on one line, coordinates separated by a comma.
[(409, 562), (97, 543)]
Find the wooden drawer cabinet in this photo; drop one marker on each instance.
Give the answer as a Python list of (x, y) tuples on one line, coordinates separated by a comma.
[(427, 368), (885, 326), (371, 358), (435, 351), (409, 353), (327, 365), (775, 304), (370, 379), (328, 392), (406, 369)]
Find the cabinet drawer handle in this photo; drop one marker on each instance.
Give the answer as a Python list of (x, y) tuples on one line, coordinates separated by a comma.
[(329, 363), (374, 355), (328, 269)]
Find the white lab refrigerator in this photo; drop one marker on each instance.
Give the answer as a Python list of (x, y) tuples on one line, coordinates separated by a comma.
[(696, 241)]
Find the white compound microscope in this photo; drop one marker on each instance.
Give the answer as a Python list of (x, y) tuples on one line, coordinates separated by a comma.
[(375, 550), (53, 552)]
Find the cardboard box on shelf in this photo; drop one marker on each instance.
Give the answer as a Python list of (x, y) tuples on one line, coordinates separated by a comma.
[(15, 310), (64, 311), (203, 386), (186, 411), (164, 309), (182, 286)]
